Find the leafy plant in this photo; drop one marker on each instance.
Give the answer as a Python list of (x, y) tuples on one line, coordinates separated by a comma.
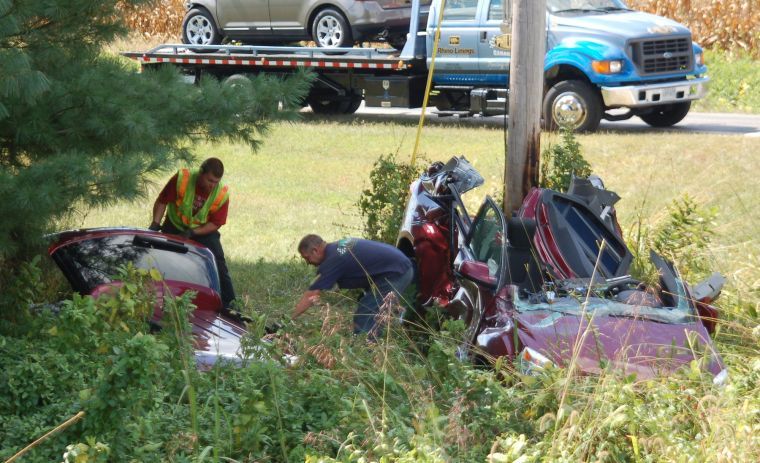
[(561, 161), (382, 205), (683, 238)]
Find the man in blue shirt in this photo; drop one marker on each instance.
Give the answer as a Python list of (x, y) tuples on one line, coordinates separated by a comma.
[(351, 263)]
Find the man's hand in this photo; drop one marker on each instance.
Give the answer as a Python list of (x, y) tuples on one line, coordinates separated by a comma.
[(187, 233), (308, 299), (155, 226)]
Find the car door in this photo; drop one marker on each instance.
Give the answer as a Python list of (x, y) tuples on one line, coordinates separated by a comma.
[(290, 18), (244, 17), (480, 269), (495, 41), (457, 54), (487, 243)]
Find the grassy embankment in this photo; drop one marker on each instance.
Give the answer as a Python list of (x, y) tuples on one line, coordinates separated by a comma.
[(308, 176)]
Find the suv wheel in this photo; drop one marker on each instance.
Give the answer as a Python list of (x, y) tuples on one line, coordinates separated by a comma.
[(198, 28), (331, 30)]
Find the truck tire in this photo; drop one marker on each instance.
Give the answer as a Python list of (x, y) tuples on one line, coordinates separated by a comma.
[(665, 116), (340, 105), (198, 28), (331, 30), (572, 103), (397, 41)]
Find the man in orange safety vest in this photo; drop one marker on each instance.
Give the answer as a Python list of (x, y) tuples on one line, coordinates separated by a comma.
[(196, 204)]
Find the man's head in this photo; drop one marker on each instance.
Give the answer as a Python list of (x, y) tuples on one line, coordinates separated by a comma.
[(312, 249), (211, 174)]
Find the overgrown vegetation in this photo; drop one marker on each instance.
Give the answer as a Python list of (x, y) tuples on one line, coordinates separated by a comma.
[(382, 204), (734, 82), (562, 161)]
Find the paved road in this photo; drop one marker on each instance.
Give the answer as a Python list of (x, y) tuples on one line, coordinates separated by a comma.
[(741, 124)]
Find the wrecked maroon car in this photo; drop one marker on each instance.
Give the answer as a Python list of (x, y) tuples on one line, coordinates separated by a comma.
[(551, 285), (90, 258)]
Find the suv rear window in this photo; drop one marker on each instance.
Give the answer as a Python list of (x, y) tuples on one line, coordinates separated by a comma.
[(97, 260)]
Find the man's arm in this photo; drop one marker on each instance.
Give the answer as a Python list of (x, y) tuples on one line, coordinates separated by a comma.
[(308, 299), (205, 229), (159, 209)]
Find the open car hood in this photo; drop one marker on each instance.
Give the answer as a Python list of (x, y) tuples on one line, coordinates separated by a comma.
[(89, 259)]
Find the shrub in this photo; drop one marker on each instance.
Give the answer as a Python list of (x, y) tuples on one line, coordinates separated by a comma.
[(382, 205), (561, 161)]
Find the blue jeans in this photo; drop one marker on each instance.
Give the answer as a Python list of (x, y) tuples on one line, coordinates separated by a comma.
[(370, 302)]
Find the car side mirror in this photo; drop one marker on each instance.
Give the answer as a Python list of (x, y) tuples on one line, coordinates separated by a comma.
[(478, 272)]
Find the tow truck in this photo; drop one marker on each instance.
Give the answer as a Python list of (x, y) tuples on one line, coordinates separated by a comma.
[(603, 61)]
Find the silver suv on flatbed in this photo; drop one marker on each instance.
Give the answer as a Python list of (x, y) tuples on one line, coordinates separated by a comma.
[(330, 23)]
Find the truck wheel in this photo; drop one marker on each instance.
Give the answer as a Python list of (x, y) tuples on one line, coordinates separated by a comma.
[(326, 105), (198, 28), (397, 41), (353, 105), (331, 30), (572, 103), (666, 116)]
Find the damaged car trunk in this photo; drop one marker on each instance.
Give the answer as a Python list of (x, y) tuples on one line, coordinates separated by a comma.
[(90, 258)]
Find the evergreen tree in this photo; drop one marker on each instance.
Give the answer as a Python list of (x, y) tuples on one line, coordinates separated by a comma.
[(79, 127)]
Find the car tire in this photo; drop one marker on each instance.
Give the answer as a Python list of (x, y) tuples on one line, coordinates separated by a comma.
[(199, 28), (667, 115), (572, 103), (331, 30)]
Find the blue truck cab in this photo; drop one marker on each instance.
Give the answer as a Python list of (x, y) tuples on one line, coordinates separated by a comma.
[(603, 61)]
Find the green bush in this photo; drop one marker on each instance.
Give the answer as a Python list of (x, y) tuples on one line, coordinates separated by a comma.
[(561, 161), (382, 205), (734, 83)]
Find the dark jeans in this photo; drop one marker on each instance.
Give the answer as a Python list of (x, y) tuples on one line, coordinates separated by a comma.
[(370, 302), (213, 243)]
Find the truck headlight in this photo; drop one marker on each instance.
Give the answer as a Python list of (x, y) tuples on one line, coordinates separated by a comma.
[(699, 59), (612, 66), (531, 361)]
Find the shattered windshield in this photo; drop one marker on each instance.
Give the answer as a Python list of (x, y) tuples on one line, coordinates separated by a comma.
[(632, 303), (458, 172), (583, 6)]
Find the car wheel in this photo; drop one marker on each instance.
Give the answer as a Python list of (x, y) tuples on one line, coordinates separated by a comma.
[(667, 115), (331, 30), (198, 28), (574, 104)]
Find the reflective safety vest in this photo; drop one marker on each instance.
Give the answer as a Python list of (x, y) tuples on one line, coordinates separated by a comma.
[(181, 211)]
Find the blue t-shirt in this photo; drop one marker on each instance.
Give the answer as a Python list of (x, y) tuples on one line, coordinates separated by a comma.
[(353, 263)]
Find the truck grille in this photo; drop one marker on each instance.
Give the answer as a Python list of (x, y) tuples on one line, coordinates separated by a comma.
[(664, 55)]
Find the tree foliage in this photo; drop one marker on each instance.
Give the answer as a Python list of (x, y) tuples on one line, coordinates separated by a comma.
[(81, 128)]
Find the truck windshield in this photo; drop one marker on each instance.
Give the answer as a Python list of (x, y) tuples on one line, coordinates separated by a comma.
[(581, 6)]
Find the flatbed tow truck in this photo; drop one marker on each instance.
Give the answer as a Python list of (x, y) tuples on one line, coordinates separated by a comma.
[(606, 62)]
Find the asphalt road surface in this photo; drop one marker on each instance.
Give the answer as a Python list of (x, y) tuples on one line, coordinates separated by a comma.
[(739, 124)]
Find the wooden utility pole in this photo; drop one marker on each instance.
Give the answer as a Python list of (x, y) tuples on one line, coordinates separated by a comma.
[(526, 86)]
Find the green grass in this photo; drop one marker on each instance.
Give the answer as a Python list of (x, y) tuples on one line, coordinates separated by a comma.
[(735, 83), (346, 400), (308, 176)]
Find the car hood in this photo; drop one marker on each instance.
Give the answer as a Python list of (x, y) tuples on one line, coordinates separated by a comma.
[(647, 343), (625, 25)]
